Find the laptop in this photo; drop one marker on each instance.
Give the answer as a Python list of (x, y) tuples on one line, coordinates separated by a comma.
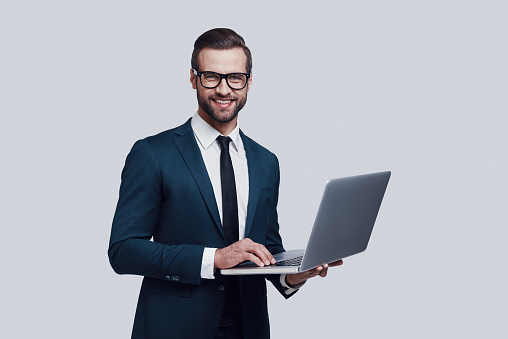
[(343, 225)]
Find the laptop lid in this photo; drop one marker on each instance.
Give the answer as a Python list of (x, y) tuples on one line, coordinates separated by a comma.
[(345, 219)]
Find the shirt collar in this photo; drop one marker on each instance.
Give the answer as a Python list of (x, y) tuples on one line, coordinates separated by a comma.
[(206, 134)]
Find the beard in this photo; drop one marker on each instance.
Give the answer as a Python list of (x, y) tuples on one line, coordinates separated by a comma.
[(222, 115)]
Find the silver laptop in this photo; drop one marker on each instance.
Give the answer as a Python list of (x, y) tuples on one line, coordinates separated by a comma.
[(342, 228)]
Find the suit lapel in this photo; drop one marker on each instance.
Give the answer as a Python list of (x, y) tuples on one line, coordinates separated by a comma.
[(253, 163), (188, 148)]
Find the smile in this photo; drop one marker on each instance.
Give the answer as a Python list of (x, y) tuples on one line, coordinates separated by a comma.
[(222, 101)]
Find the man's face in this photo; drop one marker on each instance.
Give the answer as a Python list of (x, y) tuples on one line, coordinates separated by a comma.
[(221, 103)]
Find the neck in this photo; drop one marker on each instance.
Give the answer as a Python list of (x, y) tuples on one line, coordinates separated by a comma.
[(223, 128)]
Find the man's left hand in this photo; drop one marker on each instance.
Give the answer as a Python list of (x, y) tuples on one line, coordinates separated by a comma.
[(299, 278)]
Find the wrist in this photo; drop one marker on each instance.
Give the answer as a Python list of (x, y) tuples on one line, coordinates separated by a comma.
[(216, 258), (293, 284)]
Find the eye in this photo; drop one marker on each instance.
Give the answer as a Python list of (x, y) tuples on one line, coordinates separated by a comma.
[(236, 77), (210, 76)]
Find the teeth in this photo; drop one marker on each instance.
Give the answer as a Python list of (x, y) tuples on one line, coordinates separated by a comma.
[(223, 101)]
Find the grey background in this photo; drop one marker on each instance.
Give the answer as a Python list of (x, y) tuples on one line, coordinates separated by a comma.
[(339, 88)]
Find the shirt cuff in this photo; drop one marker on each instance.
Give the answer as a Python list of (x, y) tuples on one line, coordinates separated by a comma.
[(287, 289), (207, 268)]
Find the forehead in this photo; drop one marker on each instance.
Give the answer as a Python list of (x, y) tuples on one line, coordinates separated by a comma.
[(222, 60)]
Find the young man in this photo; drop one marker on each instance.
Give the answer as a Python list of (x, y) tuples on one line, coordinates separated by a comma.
[(207, 194)]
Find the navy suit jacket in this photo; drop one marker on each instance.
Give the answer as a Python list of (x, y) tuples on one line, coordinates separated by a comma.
[(166, 195)]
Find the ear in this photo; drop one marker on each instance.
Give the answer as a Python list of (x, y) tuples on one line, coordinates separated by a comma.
[(192, 79), (249, 82)]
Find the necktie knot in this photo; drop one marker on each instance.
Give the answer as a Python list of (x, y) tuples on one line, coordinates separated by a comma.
[(223, 142)]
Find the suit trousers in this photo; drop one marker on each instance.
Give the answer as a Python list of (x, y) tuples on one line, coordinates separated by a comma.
[(230, 332)]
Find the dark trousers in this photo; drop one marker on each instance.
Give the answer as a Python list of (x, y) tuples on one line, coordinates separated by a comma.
[(230, 332), (231, 322)]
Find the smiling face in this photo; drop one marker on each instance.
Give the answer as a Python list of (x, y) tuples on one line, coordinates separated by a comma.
[(219, 106)]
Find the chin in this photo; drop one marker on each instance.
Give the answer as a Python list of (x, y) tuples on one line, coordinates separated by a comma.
[(222, 118)]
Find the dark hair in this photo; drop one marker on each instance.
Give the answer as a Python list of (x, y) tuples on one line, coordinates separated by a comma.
[(219, 38)]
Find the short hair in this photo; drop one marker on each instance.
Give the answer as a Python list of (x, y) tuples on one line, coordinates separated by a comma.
[(220, 38)]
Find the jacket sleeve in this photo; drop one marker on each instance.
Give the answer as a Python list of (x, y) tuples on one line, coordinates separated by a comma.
[(273, 238), (131, 250)]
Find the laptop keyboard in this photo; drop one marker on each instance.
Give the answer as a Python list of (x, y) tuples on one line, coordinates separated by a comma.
[(290, 262)]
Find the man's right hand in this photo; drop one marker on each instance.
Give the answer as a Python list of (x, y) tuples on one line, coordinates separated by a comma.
[(241, 251)]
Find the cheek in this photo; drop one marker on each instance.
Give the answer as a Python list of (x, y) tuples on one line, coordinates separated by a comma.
[(205, 93)]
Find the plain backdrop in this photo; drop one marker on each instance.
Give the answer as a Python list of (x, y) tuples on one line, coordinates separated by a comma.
[(339, 88)]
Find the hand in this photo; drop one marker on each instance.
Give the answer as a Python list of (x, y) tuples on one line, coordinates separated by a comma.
[(298, 278), (240, 251)]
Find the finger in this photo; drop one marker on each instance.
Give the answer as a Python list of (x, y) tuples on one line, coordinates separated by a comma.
[(269, 256), (324, 272), (316, 271), (336, 263), (246, 246), (257, 249), (262, 253), (255, 259)]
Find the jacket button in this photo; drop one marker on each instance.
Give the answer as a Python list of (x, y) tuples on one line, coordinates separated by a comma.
[(168, 277), (221, 288), (176, 278)]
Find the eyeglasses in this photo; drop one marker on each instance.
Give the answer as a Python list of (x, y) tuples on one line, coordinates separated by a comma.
[(213, 79)]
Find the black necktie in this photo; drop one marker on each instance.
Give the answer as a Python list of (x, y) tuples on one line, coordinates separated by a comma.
[(232, 308), (229, 201)]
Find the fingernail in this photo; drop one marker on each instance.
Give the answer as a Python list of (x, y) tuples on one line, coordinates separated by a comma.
[(267, 262), (273, 260)]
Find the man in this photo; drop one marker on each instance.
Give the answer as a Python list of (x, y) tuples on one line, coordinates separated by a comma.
[(207, 194)]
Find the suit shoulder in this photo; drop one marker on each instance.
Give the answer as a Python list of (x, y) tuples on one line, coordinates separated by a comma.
[(248, 142), (165, 138)]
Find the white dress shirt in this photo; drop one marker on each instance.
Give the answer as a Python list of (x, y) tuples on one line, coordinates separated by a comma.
[(206, 137)]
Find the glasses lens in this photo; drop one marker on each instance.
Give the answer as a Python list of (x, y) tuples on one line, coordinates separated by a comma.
[(237, 80), (210, 79)]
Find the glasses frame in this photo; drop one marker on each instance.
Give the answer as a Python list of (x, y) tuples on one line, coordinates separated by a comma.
[(222, 76)]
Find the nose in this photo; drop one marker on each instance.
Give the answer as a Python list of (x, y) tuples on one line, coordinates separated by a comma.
[(223, 88)]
